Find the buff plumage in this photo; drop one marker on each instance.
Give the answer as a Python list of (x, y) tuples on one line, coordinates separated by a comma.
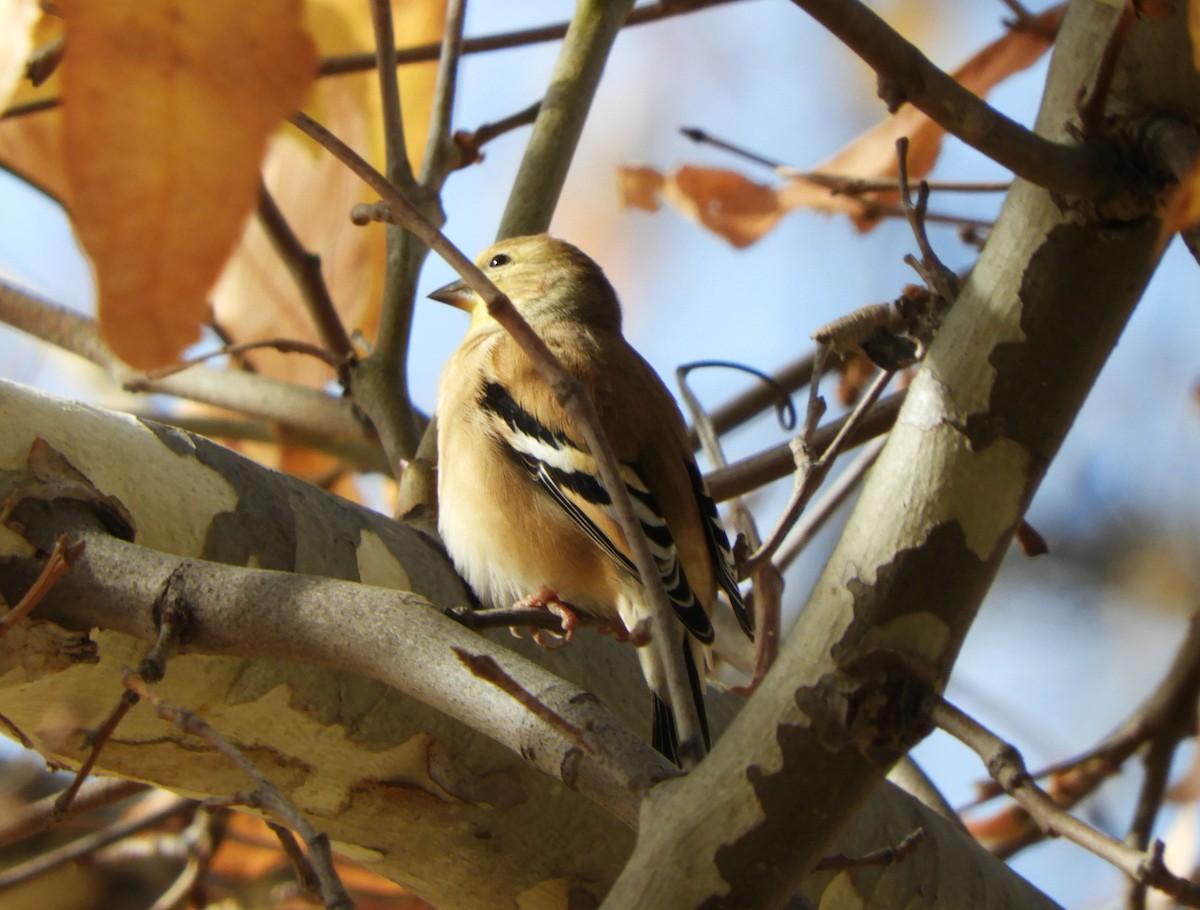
[(521, 505)]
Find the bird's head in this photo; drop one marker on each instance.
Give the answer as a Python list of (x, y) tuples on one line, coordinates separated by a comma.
[(546, 279)]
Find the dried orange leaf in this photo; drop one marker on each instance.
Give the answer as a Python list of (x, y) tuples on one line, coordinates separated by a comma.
[(639, 187), (167, 109), (31, 145), (742, 211), (725, 202), (256, 297)]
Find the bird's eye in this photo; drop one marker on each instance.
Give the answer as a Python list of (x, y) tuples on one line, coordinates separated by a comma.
[(499, 259)]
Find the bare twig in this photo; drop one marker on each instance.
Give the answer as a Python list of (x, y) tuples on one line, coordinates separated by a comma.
[(907, 75), (266, 795), (247, 393), (653, 12), (1091, 107), (84, 846), (779, 461), (768, 583), (305, 873), (487, 669), (469, 144), (1166, 716), (810, 473), (937, 277), (441, 155), (398, 168), (171, 616), (281, 345), (58, 564), (842, 184), (44, 814), (884, 857), (1006, 767), (822, 509), (305, 269)]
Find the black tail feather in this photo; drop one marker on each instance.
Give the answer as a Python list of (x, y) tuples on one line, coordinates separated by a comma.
[(664, 734)]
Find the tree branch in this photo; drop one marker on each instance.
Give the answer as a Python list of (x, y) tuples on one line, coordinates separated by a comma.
[(907, 75)]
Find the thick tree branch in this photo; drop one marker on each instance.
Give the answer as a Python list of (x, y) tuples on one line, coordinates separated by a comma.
[(997, 391)]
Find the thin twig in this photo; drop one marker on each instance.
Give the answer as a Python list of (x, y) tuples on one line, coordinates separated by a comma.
[(380, 381), (1157, 765), (486, 668), (280, 345), (441, 155), (841, 184), (170, 614), (44, 814), (810, 475), (347, 64), (1091, 108), (886, 856), (257, 396), (470, 144), (1007, 768), (569, 394), (305, 873), (305, 269), (1167, 714), (398, 168), (515, 618), (58, 563), (779, 461), (266, 795), (940, 279), (53, 859), (823, 508), (767, 581), (907, 75)]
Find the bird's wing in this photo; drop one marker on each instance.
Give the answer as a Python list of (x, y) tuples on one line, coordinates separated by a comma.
[(536, 432), (719, 549)]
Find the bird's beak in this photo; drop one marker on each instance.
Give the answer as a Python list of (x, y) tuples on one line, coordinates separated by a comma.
[(456, 293)]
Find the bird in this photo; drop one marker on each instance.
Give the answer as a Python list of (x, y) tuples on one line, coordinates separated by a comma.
[(522, 509)]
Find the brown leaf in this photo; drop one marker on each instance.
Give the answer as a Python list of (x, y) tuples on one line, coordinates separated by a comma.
[(167, 108), (742, 211), (255, 296), (639, 187), (31, 145), (725, 202)]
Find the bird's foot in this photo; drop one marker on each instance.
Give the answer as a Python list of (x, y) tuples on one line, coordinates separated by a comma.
[(546, 599), (637, 636)]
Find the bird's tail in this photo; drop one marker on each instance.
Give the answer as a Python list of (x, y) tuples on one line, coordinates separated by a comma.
[(664, 735)]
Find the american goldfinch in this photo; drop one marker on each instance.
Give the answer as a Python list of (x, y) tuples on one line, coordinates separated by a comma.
[(521, 506)]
